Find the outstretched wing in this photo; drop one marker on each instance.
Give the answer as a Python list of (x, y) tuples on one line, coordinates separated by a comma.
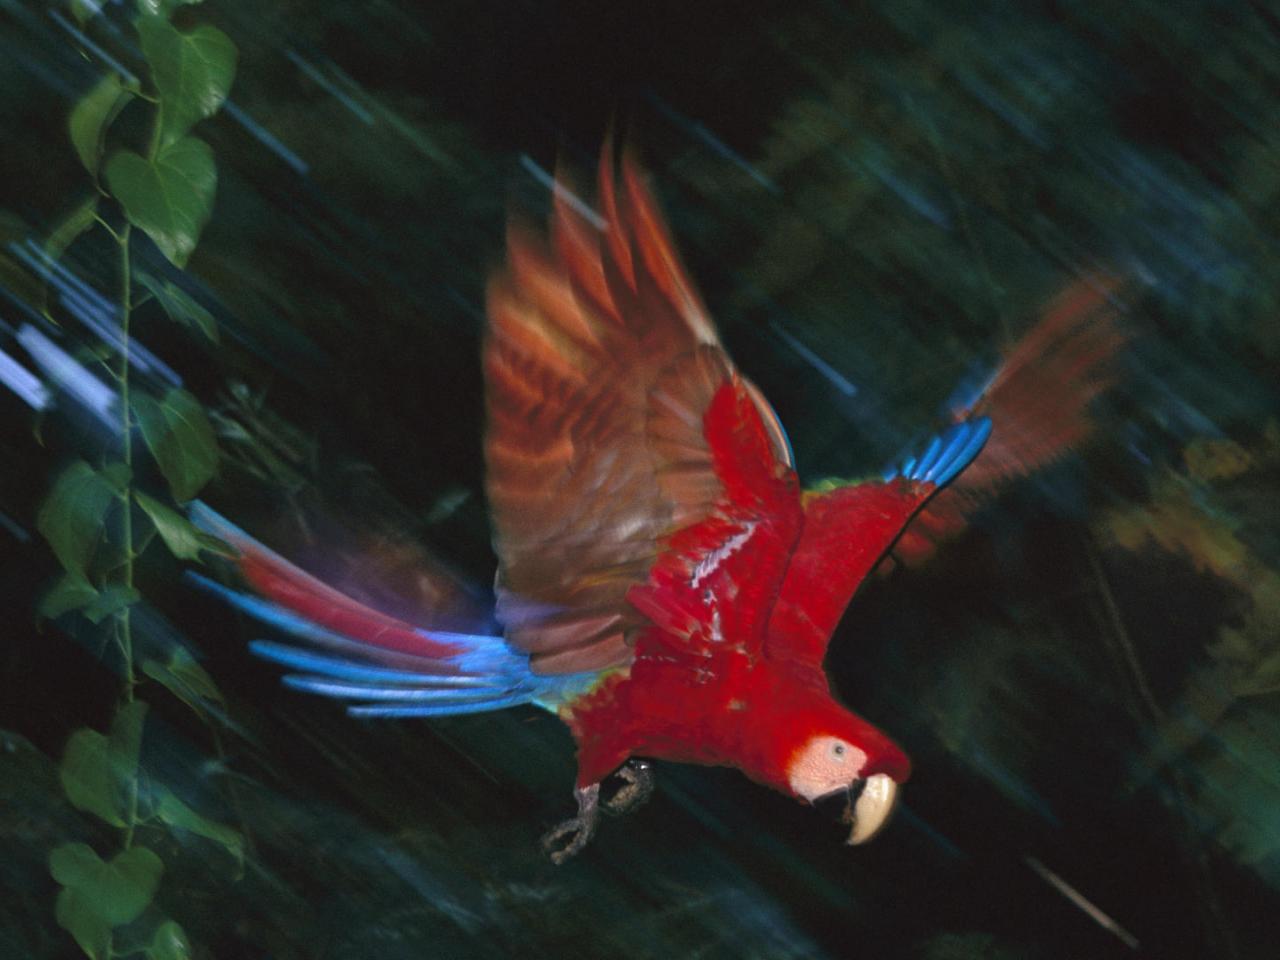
[(848, 530), (1038, 400), (601, 367)]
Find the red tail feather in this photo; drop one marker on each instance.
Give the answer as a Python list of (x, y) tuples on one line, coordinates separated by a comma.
[(281, 582)]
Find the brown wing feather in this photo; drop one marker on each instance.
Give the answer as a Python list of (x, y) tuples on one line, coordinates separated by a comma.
[(600, 362), (1038, 403)]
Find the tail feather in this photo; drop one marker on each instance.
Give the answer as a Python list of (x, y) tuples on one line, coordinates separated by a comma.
[(273, 576), (298, 658), (403, 694), (452, 710), (381, 665)]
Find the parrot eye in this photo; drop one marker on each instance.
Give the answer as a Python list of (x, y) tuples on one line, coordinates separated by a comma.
[(838, 750)]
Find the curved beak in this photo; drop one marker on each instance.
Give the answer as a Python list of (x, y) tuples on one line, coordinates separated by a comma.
[(873, 808)]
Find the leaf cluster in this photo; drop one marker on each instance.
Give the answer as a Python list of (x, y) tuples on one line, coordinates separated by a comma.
[(95, 519)]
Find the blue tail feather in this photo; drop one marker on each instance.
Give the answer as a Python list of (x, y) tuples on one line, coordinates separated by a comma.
[(401, 693), (341, 668), (388, 710), (485, 674)]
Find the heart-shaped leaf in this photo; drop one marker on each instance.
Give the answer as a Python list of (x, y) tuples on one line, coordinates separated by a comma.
[(72, 515), (179, 436), (75, 914), (192, 71), (170, 197), (96, 770), (73, 864), (116, 891), (91, 117), (88, 778)]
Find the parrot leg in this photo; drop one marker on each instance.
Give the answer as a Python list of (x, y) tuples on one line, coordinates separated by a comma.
[(638, 788), (581, 828)]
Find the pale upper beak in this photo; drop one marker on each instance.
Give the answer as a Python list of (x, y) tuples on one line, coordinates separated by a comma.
[(873, 807)]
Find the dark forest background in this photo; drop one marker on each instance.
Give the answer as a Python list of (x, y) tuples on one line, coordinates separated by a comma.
[(876, 199)]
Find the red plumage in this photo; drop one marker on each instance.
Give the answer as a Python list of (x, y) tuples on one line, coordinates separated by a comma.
[(663, 582)]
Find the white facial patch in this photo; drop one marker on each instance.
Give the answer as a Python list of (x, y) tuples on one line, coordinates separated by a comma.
[(823, 765)]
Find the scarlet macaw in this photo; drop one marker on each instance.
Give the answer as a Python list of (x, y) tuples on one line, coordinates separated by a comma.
[(664, 584)]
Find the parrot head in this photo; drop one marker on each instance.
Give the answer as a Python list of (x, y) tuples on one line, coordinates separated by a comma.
[(830, 768), (829, 755)]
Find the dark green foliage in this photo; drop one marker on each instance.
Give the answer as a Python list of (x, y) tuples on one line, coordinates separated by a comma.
[(168, 193), (893, 189), (179, 436)]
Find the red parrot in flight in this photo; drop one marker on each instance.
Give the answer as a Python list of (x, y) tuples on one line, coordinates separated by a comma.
[(665, 585)]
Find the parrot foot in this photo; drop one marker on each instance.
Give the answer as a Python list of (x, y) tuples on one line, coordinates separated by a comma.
[(580, 828), (639, 778)]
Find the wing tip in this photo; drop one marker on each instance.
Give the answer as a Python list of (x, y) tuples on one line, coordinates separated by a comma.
[(947, 454)]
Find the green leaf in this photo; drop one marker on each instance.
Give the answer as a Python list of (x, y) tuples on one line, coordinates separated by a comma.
[(110, 601), (71, 592), (96, 770), (91, 117), (179, 436), (72, 864), (177, 815), (183, 538), (133, 876), (192, 71), (115, 891), (180, 306), (76, 915), (88, 778), (169, 943), (185, 679), (71, 517), (170, 198)]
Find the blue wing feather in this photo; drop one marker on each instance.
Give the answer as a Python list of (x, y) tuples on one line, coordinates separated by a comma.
[(947, 455)]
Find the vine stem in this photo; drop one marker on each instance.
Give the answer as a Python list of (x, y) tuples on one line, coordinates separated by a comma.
[(126, 432), (124, 624)]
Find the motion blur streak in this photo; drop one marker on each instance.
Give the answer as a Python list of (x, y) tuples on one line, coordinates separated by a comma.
[(23, 382), (70, 376), (1081, 901)]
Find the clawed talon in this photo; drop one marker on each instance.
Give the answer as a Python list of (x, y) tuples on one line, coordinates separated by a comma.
[(582, 827), (639, 778)]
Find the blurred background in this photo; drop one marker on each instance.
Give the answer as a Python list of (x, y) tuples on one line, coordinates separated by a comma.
[(876, 199)]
